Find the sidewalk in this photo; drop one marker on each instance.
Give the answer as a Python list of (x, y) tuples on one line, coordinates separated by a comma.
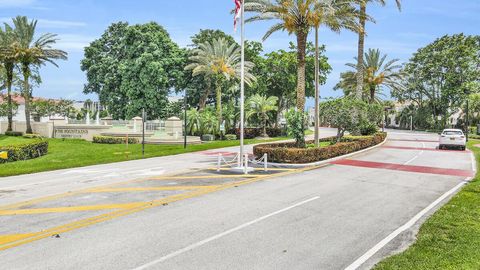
[(25, 187)]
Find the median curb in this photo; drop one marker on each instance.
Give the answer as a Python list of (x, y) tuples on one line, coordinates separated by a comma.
[(323, 162)]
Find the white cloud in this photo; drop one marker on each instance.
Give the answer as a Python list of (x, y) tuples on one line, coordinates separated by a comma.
[(73, 42), (59, 24), (43, 23), (16, 3)]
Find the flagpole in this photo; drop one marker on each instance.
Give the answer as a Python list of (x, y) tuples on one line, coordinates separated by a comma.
[(242, 83)]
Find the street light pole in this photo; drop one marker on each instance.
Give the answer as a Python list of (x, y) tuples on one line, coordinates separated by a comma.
[(185, 120), (143, 133), (317, 92), (467, 120)]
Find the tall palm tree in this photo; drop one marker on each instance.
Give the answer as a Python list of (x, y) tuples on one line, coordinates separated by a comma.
[(220, 61), (334, 15), (378, 73), (33, 52), (295, 18), (9, 60), (261, 106), (361, 40)]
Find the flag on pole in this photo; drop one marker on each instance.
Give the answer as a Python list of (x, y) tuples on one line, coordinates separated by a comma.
[(238, 11)]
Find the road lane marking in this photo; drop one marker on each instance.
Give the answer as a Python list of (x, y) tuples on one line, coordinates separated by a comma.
[(147, 205), (412, 140), (204, 177), (425, 149), (133, 189), (34, 211), (220, 235), (405, 168), (415, 157), (362, 259)]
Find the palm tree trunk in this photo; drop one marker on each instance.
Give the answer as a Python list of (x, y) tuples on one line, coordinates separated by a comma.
[(9, 98), (301, 51), (372, 94), (203, 98), (26, 96), (219, 103), (265, 126), (361, 48), (317, 91)]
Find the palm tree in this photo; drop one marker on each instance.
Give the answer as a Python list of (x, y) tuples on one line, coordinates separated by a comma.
[(261, 106), (220, 61), (9, 60), (194, 121), (378, 73), (361, 40), (33, 52), (295, 18), (334, 15)]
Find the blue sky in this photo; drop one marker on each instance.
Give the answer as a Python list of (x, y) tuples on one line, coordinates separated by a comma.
[(399, 34)]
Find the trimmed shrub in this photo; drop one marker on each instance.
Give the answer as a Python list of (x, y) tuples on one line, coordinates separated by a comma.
[(251, 133), (230, 137), (34, 149), (32, 136), (287, 153), (114, 140), (14, 133), (208, 137), (368, 128)]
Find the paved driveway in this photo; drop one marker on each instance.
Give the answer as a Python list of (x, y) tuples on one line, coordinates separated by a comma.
[(347, 214)]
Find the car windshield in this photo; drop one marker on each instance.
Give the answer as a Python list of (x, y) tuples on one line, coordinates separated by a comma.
[(452, 132)]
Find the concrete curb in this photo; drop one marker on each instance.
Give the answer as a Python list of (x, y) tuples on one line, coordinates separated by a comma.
[(322, 162)]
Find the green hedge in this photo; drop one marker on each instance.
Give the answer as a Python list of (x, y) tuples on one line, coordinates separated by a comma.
[(230, 137), (14, 133), (113, 140), (34, 149), (287, 153)]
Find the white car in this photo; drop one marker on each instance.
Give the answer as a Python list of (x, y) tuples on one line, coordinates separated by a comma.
[(452, 138)]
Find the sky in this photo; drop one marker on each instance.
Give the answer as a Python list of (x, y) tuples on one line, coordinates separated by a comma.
[(396, 33)]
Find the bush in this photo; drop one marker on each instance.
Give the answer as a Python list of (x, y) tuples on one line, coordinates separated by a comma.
[(368, 128), (32, 136), (288, 153), (14, 133), (208, 137), (113, 140), (296, 126), (251, 133), (230, 137), (30, 150)]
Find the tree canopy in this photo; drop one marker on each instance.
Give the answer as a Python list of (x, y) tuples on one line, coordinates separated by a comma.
[(132, 67)]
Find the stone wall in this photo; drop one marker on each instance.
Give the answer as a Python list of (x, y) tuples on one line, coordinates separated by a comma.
[(45, 129)]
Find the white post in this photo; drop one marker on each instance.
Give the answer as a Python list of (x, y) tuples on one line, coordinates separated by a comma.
[(219, 162), (97, 120), (245, 169), (265, 162), (411, 123), (242, 83), (239, 160)]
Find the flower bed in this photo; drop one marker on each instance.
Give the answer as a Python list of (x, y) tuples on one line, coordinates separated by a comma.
[(30, 150), (287, 153), (114, 140)]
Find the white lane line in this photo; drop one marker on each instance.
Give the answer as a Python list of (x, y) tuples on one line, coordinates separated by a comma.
[(403, 228), (220, 235), (415, 157)]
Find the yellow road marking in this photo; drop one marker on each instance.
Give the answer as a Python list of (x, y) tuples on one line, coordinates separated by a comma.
[(118, 213), (33, 211), (105, 190), (14, 237), (204, 177)]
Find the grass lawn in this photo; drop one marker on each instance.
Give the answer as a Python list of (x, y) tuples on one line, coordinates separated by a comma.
[(450, 239), (64, 154), (11, 140)]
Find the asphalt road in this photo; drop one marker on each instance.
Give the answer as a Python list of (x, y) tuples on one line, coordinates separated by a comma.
[(344, 215)]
